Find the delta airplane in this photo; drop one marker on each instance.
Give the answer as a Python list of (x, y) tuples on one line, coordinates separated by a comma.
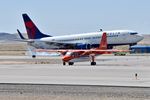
[(40, 40), (80, 55)]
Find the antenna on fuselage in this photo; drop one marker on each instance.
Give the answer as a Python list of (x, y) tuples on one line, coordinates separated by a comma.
[(100, 30)]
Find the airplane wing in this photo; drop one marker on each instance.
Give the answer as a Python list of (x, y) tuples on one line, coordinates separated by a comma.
[(55, 50), (24, 40), (82, 50), (58, 43), (55, 43), (21, 36), (110, 50)]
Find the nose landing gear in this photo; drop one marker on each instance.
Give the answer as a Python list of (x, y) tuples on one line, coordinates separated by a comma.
[(93, 59), (69, 63)]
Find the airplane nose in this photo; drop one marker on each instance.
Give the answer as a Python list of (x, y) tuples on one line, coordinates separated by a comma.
[(140, 37), (65, 58)]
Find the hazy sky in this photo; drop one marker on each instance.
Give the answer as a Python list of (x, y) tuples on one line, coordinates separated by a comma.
[(58, 17)]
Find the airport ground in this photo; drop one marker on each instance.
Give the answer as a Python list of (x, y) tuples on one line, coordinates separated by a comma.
[(45, 78), (71, 92), (113, 78)]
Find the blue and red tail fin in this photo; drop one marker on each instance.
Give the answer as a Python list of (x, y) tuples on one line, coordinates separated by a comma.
[(32, 31), (103, 42)]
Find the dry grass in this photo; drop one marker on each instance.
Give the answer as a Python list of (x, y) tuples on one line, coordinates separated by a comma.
[(13, 48)]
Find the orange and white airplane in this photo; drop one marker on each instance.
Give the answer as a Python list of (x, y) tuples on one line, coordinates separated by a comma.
[(70, 56)]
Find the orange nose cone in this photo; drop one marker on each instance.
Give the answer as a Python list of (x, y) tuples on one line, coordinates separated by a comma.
[(66, 58)]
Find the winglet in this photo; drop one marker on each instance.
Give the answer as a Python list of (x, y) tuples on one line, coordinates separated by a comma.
[(21, 36), (103, 42)]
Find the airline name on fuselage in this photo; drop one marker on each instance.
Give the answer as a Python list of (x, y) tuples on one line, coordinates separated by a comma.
[(112, 34)]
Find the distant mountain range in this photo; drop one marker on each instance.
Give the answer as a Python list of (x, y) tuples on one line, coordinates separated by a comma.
[(8, 37)]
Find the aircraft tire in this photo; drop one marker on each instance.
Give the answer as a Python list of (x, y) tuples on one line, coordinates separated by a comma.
[(70, 63), (33, 56), (93, 63), (64, 63)]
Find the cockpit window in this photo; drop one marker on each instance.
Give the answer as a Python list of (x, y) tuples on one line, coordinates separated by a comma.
[(69, 53), (133, 33)]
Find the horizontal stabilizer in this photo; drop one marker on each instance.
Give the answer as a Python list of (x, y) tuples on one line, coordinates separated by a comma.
[(21, 36)]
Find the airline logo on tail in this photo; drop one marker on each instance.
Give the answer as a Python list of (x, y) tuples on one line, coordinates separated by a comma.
[(32, 31)]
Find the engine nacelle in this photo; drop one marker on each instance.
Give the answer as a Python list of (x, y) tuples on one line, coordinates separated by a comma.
[(82, 46), (133, 44)]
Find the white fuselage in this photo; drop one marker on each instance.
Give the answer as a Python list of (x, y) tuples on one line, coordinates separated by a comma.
[(116, 37)]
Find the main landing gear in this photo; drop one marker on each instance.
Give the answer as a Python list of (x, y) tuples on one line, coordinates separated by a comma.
[(93, 59), (33, 56), (64, 63), (92, 56), (69, 63), (93, 63)]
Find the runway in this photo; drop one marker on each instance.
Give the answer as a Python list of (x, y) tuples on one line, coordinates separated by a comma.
[(109, 71), (113, 78), (71, 92)]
